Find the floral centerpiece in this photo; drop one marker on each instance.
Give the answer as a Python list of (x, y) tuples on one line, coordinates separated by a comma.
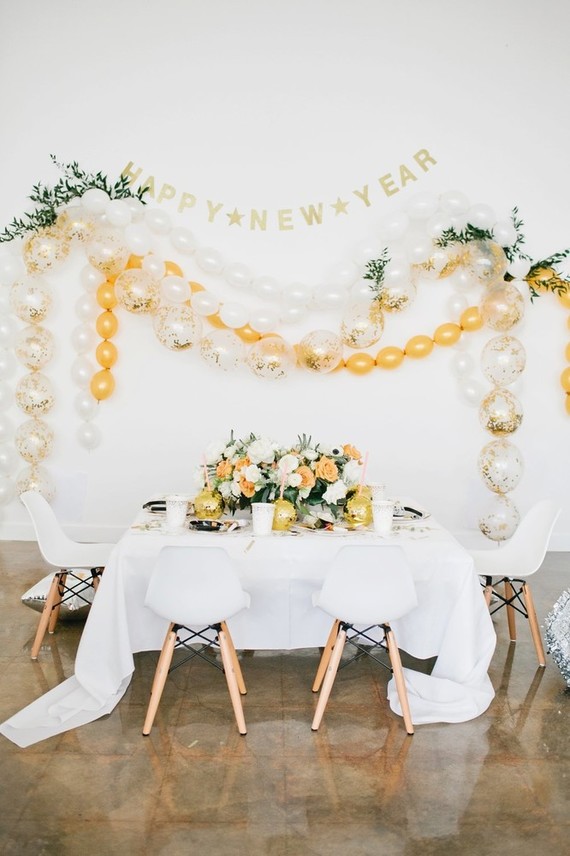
[(315, 477)]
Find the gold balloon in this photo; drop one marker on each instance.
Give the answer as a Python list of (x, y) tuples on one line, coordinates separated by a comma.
[(102, 385), (34, 394), (500, 412), (389, 357), (76, 224), (418, 347), (320, 351), (358, 510), (196, 286), (284, 515), (106, 354), (134, 262), (471, 319), (360, 364), (107, 324), (172, 269), (208, 505), (564, 297), (568, 352), (247, 334), (565, 379), (540, 278), (447, 334), (216, 321), (137, 291), (502, 307), (45, 249), (106, 297), (362, 324), (568, 404), (107, 252)]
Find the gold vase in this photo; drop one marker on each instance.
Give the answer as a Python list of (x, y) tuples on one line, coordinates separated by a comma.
[(208, 505), (284, 515), (358, 510)]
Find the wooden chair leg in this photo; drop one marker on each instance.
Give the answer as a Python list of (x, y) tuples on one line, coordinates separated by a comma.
[(237, 668), (45, 616), (399, 679), (60, 594), (159, 680), (325, 657), (328, 682), (509, 592), (231, 679), (488, 594), (533, 622)]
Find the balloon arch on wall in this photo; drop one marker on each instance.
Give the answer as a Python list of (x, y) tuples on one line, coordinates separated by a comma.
[(434, 238)]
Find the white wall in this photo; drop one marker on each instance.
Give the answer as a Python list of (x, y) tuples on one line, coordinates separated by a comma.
[(268, 105)]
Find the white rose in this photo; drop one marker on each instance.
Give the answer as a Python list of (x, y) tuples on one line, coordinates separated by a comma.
[(252, 473), (214, 452), (334, 492), (310, 454), (225, 489), (287, 464), (261, 451), (231, 451), (351, 473), (235, 488), (294, 480)]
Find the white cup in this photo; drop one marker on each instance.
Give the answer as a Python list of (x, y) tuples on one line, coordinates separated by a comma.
[(176, 510), (378, 491), (382, 514), (262, 517)]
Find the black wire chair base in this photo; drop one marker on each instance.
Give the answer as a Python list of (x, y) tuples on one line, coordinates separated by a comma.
[(516, 600), (362, 649), (66, 590), (188, 642)]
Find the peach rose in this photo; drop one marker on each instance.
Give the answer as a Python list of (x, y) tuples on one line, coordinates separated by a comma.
[(246, 487), (326, 469), (351, 452), (241, 463), (224, 469), (307, 476)]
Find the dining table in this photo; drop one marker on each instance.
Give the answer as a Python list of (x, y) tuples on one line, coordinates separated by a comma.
[(450, 628)]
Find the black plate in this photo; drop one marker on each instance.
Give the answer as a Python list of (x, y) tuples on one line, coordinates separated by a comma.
[(206, 525), (155, 505)]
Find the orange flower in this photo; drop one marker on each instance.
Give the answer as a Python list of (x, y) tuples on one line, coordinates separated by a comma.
[(326, 469), (224, 469), (351, 452), (246, 487), (241, 463), (307, 476)]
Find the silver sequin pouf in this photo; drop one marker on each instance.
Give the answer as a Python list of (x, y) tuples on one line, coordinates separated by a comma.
[(557, 634)]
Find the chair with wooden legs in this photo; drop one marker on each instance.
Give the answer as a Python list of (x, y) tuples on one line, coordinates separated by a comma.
[(366, 588), (512, 564), (196, 589), (72, 560)]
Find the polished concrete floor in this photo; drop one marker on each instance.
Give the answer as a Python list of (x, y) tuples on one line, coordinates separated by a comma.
[(497, 785)]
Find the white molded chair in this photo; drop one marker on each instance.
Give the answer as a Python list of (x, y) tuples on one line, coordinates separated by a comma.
[(513, 563), (196, 587), (366, 587), (68, 556)]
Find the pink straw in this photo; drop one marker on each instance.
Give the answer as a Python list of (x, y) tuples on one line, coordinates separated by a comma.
[(206, 477), (363, 473), (283, 474)]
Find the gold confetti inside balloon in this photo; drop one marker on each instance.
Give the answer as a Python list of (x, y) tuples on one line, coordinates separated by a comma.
[(34, 394), (320, 351), (502, 307), (284, 515), (500, 520), (487, 261), (362, 324), (500, 412), (503, 360), (442, 262), (34, 440), (44, 250), (76, 224), (34, 347), (31, 299), (222, 349), (137, 291), (500, 466), (397, 296), (107, 251), (177, 327), (358, 510), (271, 358), (35, 478), (208, 505)]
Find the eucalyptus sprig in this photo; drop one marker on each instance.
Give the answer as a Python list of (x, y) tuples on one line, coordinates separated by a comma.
[(376, 270), (74, 183), (463, 236), (543, 274)]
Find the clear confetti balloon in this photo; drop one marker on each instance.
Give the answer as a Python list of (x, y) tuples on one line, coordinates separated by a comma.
[(320, 351), (487, 261), (31, 299), (34, 394), (441, 263), (34, 440), (271, 358), (500, 466), (137, 291), (499, 522), (222, 349), (177, 327), (45, 249), (362, 324), (397, 296), (502, 307), (500, 412), (108, 252), (76, 224), (503, 360), (35, 478)]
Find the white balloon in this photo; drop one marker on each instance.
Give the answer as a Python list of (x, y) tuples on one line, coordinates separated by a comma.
[(118, 212), (397, 271), (462, 363), (85, 405), (453, 202), (519, 267), (263, 320), (8, 364), (9, 460), (6, 429), (158, 221), (296, 294), (183, 240), (366, 249), (86, 307), (234, 315), (82, 370), (89, 435), (83, 339), (138, 239), (327, 296), (504, 233), (462, 279), (204, 303), (5, 307), (457, 304), (421, 206), (136, 208), (418, 249), (91, 278), (175, 289), (6, 396), (362, 290), (8, 330), (7, 490), (395, 226), (471, 391), (154, 266), (11, 268), (523, 288), (266, 287), (343, 274), (95, 200), (209, 260), (236, 275), (480, 215), (292, 314), (437, 224)]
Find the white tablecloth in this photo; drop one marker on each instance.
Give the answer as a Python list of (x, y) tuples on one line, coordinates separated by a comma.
[(280, 572)]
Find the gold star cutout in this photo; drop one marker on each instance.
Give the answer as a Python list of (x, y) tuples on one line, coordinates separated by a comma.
[(235, 218), (340, 206)]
